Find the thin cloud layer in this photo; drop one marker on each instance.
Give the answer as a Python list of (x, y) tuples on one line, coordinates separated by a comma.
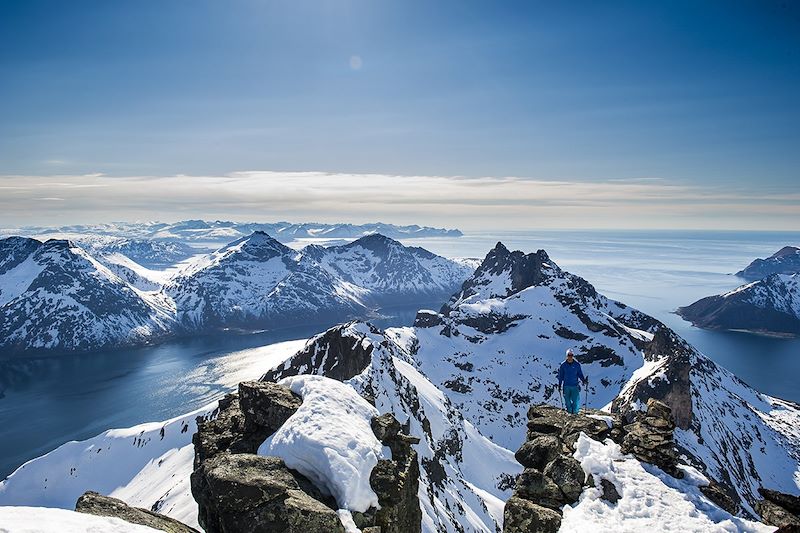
[(467, 203)]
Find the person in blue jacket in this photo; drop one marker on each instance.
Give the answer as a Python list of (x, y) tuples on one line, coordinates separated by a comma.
[(569, 376)]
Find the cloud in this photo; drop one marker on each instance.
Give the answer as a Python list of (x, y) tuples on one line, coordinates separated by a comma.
[(467, 203)]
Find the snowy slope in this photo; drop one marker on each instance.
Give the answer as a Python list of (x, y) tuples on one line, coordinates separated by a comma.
[(54, 295), (44, 520), (770, 305), (389, 271), (650, 499)]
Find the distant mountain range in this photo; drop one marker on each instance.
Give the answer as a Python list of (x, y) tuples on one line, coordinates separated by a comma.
[(219, 232), (784, 261), (58, 296)]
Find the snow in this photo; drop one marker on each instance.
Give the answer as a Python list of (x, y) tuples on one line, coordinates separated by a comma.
[(650, 499), (16, 281), (46, 520), (330, 440), (605, 418)]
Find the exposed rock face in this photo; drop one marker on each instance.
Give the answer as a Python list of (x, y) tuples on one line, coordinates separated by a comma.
[(251, 493), (523, 515), (321, 356), (99, 505), (239, 491), (650, 438), (779, 509), (721, 496)]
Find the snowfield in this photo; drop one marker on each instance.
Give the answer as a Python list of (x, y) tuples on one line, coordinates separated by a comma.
[(46, 520), (650, 499)]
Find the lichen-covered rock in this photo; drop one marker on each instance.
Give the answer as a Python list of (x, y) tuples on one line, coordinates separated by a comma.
[(773, 514), (96, 504), (538, 452), (720, 496), (650, 438), (251, 493), (267, 404), (568, 475), (524, 516), (535, 486), (787, 501)]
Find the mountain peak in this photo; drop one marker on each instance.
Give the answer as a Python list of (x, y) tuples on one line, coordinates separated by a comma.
[(374, 241), (786, 250)]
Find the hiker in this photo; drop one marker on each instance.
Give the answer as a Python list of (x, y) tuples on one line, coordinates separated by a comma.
[(569, 374)]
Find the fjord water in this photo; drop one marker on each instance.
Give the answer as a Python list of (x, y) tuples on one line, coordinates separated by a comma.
[(46, 402)]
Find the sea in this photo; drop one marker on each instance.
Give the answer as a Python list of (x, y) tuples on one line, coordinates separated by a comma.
[(45, 402)]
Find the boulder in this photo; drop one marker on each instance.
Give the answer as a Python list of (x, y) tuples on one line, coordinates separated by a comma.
[(535, 486), (773, 514), (524, 516), (256, 494), (719, 495), (650, 438), (787, 501), (267, 404), (538, 452), (568, 475), (99, 505), (610, 493)]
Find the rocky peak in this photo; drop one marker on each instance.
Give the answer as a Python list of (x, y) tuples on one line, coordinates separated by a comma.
[(375, 242), (260, 246), (785, 251)]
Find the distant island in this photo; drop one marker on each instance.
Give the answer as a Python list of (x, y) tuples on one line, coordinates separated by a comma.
[(784, 261)]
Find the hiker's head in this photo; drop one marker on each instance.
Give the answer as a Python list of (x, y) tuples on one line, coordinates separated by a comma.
[(570, 355)]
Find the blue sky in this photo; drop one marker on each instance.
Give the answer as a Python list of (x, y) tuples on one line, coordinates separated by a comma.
[(701, 96)]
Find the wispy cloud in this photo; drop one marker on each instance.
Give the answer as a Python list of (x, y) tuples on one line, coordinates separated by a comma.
[(470, 203)]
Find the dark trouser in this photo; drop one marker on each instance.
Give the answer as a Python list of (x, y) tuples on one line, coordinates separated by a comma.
[(572, 396)]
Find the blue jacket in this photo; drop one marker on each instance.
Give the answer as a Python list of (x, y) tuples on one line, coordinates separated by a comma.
[(569, 374)]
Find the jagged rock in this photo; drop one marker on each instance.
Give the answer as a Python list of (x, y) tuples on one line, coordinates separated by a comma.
[(594, 429), (567, 473), (610, 493), (96, 504), (524, 516), (546, 419), (536, 453), (256, 494), (535, 486), (238, 431), (773, 514), (717, 494), (650, 438), (267, 404), (787, 501)]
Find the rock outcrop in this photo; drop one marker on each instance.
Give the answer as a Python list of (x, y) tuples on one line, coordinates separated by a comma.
[(650, 438), (779, 509), (99, 505), (239, 491), (552, 477)]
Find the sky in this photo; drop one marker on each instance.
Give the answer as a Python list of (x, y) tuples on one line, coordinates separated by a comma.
[(468, 114)]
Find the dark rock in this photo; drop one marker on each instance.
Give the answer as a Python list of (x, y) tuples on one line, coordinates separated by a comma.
[(610, 493), (546, 419), (385, 427), (567, 473), (719, 495), (538, 452), (251, 493), (99, 505), (789, 528), (650, 438), (396, 485), (787, 501), (784, 261), (428, 319), (535, 486), (775, 515), (524, 516), (267, 404)]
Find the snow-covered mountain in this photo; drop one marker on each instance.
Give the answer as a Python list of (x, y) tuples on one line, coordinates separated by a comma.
[(784, 261), (390, 272), (258, 282), (221, 231), (770, 305), (495, 347), (54, 295)]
